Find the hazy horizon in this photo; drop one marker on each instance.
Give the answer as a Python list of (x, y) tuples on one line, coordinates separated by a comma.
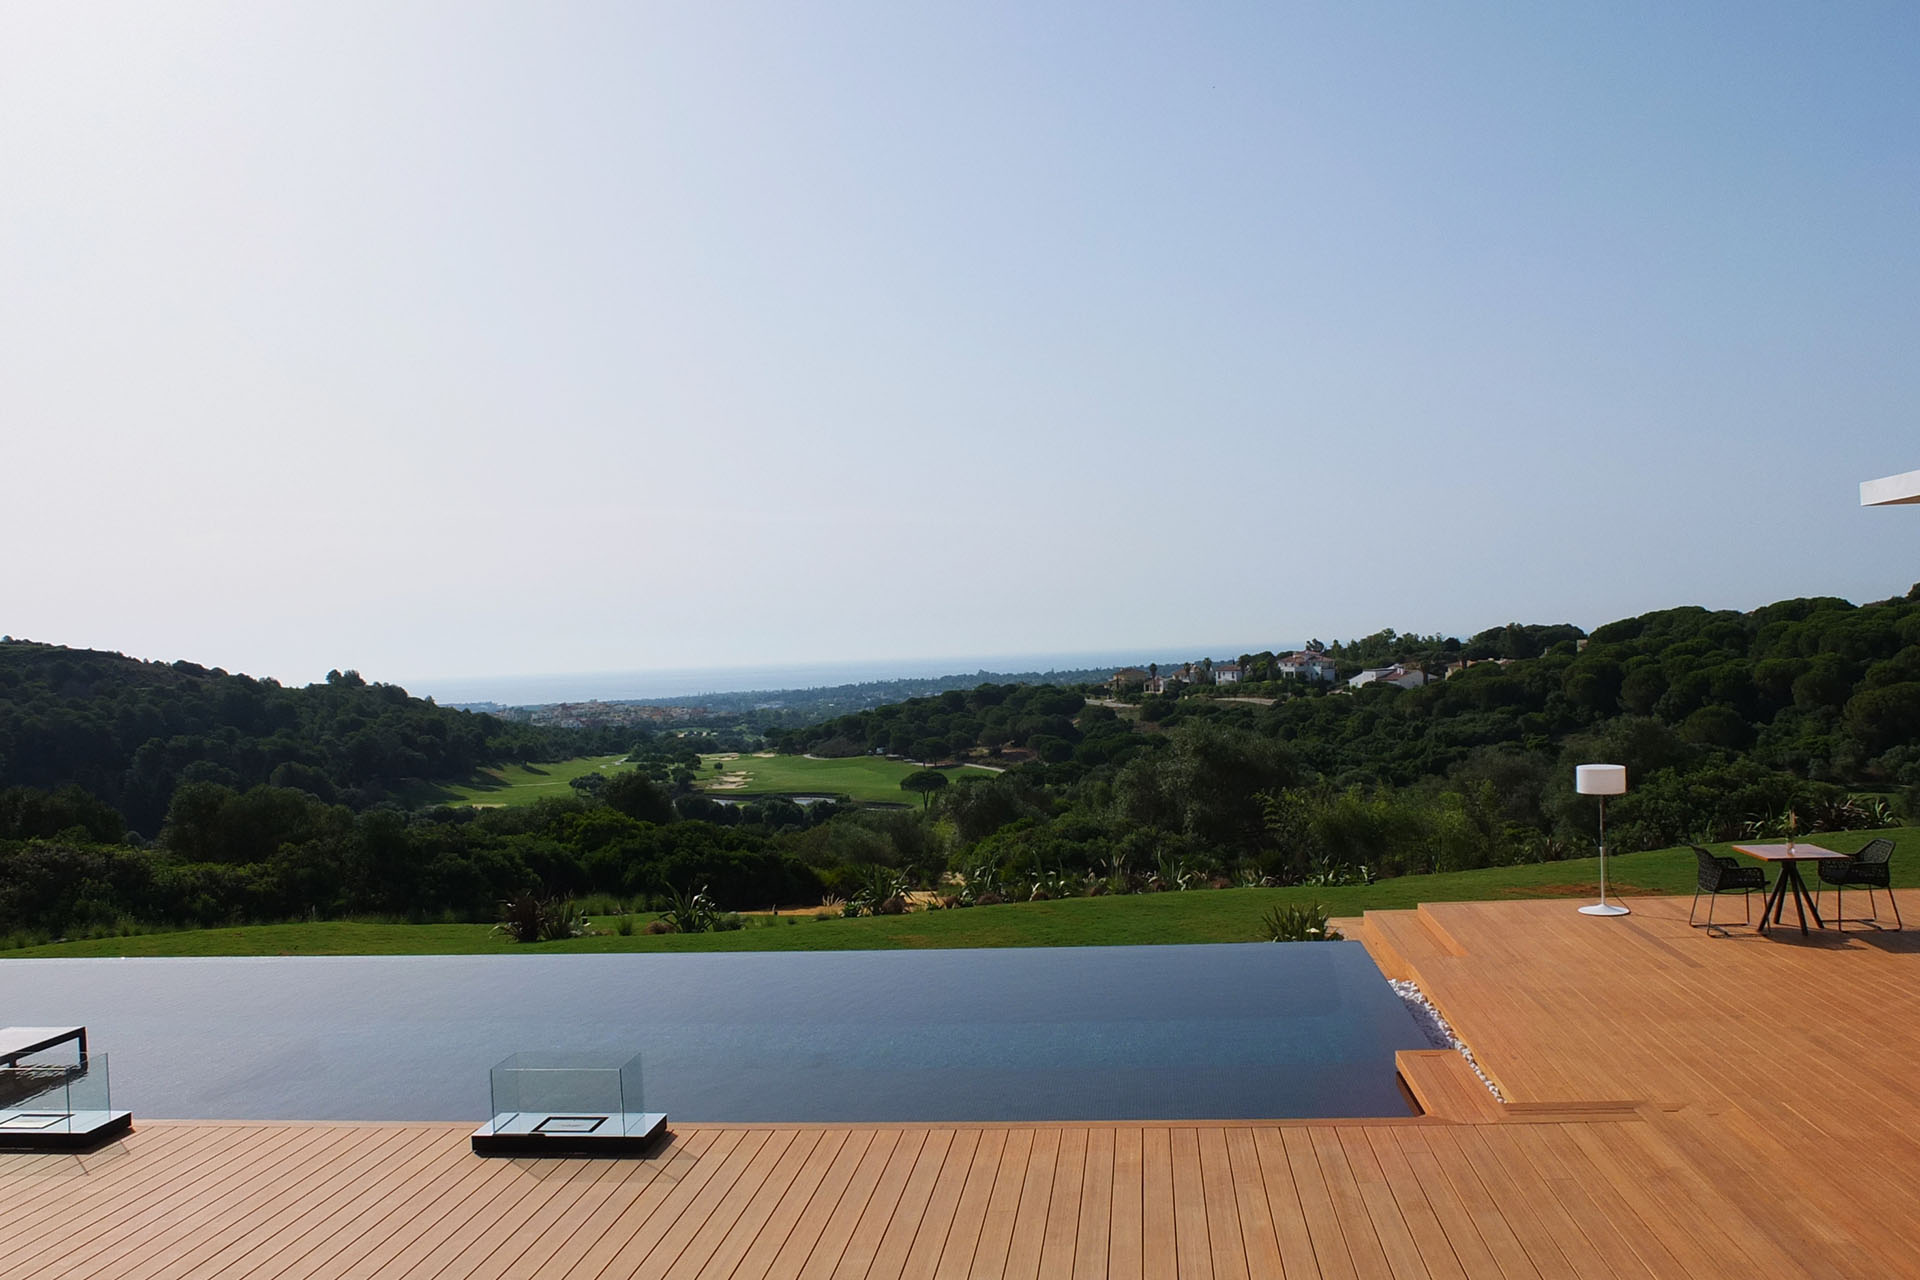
[(581, 685), (595, 337), (613, 686)]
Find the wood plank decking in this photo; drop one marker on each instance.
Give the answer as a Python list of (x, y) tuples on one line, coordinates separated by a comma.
[(1678, 1106)]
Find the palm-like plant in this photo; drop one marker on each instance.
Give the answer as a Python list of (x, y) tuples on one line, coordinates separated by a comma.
[(530, 917), (691, 911), (1045, 884), (880, 891), (1175, 871), (1299, 922), (981, 882), (1331, 872)]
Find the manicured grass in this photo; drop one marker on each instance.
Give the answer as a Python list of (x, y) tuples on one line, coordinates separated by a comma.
[(519, 784), (873, 779), (1219, 915)]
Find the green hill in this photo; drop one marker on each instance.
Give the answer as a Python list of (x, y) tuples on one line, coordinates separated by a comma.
[(129, 732)]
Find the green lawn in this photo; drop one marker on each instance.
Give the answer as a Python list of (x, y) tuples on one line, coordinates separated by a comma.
[(1222, 915), (519, 784), (870, 778)]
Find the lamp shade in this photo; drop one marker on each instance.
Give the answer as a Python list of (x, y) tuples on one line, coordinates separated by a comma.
[(1600, 779)]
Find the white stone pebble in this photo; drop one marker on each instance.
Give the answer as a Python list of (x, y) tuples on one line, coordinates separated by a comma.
[(1435, 1027)]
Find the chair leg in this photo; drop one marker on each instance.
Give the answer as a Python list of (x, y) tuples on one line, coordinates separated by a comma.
[(1695, 907), (1746, 906), (1898, 923), (1839, 908), (1710, 926)]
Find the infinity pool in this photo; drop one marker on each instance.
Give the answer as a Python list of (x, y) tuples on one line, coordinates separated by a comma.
[(1171, 1032)]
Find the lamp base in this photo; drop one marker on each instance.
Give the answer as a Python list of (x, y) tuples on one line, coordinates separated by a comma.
[(1605, 909)]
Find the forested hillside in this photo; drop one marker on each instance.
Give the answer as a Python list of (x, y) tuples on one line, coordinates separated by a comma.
[(129, 732), (1818, 688), (265, 803), (1724, 719), (953, 723)]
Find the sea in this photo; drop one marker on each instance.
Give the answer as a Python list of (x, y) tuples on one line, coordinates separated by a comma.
[(671, 682)]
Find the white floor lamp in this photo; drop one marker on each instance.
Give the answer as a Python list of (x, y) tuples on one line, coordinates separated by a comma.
[(1601, 780)]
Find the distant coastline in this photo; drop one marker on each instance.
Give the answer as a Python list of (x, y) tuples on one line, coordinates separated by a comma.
[(692, 682)]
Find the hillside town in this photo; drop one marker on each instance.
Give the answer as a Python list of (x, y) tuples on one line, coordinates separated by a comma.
[(1311, 666)]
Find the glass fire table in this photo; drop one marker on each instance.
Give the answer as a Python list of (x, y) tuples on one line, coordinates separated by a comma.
[(555, 1103), (54, 1105)]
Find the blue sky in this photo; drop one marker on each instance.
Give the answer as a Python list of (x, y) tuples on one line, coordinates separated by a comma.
[(444, 340)]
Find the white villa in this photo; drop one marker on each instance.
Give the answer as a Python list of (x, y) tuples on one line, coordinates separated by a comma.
[(1403, 676), (1171, 682), (1307, 666)]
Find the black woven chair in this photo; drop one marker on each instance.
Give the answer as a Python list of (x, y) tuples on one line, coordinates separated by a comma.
[(1724, 875), (1872, 867)]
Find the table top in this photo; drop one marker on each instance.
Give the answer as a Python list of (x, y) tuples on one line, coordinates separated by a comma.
[(1778, 852)]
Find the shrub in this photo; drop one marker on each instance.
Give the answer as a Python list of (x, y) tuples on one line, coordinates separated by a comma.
[(981, 880), (691, 912), (529, 917), (1299, 922), (879, 891)]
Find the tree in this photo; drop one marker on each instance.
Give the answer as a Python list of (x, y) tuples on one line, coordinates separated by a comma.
[(639, 797), (27, 813), (1051, 748), (925, 782), (981, 805), (1884, 717)]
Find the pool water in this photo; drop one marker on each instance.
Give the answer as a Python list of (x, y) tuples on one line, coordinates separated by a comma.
[(1168, 1032)]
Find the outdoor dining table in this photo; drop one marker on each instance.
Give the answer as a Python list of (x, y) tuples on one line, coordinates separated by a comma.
[(1789, 856)]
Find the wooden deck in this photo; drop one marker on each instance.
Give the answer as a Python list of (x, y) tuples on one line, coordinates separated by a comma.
[(1678, 1106)]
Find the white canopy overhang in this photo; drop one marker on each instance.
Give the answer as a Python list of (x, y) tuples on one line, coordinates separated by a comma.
[(1891, 491)]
